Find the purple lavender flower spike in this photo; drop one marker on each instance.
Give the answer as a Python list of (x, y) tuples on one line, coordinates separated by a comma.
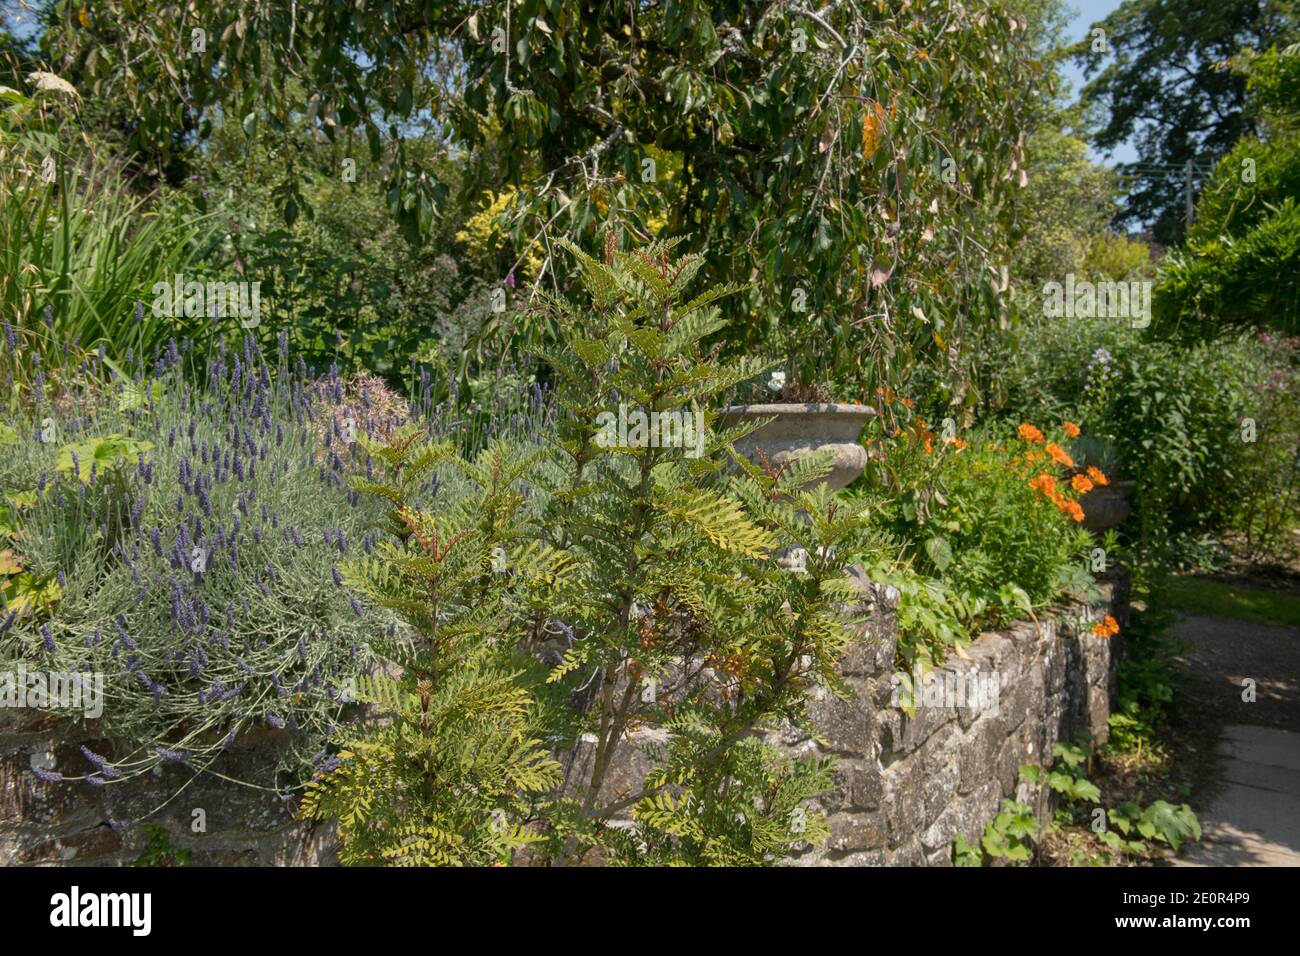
[(100, 763)]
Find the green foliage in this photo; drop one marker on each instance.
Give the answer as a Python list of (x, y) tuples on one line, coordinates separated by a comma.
[(645, 574), (103, 521), (1067, 777), (1247, 186), (1012, 837), (1161, 821), (77, 244), (1067, 205), (450, 772), (1229, 282), (159, 850), (933, 619), (674, 561), (1117, 257), (341, 277), (1173, 413), (1273, 83), (1242, 258)]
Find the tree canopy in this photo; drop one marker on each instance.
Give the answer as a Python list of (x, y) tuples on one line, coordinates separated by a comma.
[(848, 163)]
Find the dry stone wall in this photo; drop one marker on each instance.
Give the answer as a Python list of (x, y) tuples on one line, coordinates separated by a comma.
[(73, 823), (905, 785)]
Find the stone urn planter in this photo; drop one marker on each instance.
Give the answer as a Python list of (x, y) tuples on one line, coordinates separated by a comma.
[(800, 429), (1106, 505)]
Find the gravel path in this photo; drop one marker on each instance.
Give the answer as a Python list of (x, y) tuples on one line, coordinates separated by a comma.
[(1251, 812)]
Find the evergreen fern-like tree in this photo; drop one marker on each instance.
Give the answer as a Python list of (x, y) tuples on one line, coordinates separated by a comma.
[(451, 766), (688, 624)]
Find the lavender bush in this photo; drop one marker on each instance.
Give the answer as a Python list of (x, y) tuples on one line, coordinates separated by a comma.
[(190, 536)]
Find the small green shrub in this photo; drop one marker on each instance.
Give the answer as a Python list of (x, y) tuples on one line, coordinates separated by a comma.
[(1229, 282), (452, 773), (1013, 836), (1173, 418), (1118, 257)]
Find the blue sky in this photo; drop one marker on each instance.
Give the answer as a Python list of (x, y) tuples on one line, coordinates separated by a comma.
[(1086, 13)]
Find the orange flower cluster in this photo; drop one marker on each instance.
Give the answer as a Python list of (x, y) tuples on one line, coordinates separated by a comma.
[(1044, 483), (1079, 484), (890, 396), (1058, 455), (924, 435), (1107, 628), (1030, 434), (1047, 485)]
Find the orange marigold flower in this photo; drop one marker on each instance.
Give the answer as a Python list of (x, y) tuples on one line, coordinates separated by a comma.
[(1058, 455), (1044, 483), (1031, 434), (1071, 429), (1081, 484), (1096, 475), (1073, 510)]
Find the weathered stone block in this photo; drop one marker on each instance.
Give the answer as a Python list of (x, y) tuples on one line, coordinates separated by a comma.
[(856, 831), (867, 787), (981, 749), (844, 725), (940, 788), (909, 854)]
